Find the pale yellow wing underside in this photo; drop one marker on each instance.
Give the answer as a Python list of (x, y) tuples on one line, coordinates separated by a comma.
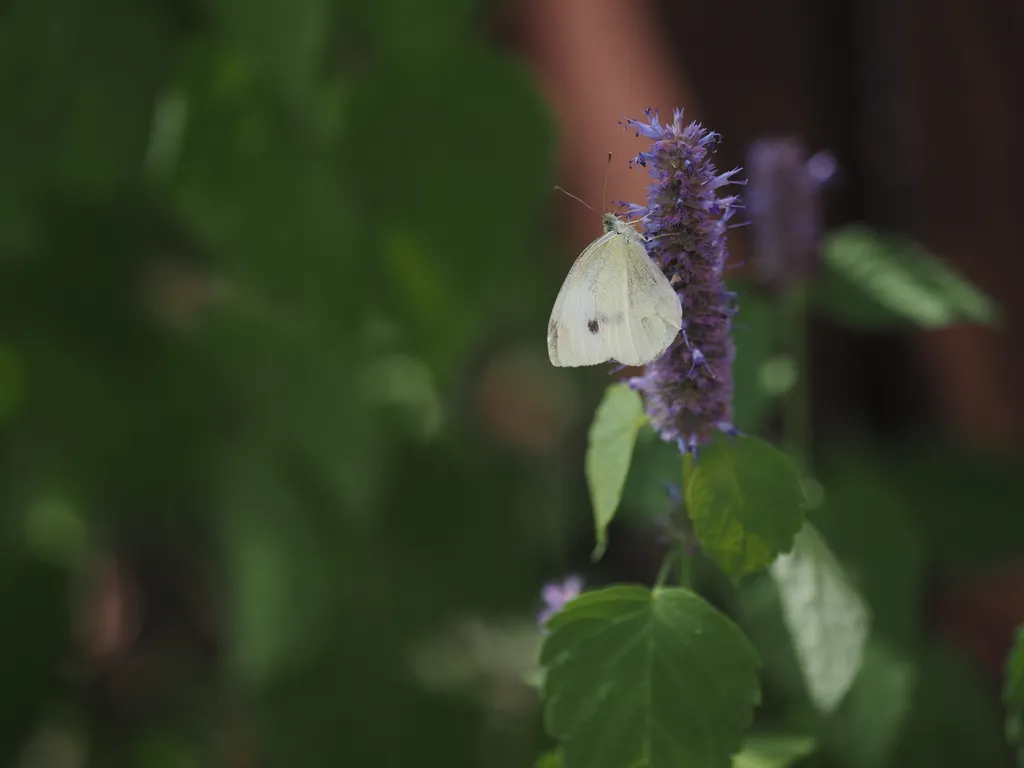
[(615, 304)]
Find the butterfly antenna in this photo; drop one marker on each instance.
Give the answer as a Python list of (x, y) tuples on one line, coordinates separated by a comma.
[(604, 190), (570, 194)]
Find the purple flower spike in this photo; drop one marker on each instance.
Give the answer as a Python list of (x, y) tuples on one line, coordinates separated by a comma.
[(688, 391), (786, 209), (556, 594)]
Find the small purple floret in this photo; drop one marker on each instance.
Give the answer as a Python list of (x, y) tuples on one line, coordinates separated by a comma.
[(556, 594), (688, 391)]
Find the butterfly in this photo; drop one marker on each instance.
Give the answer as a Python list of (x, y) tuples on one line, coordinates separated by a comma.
[(615, 304)]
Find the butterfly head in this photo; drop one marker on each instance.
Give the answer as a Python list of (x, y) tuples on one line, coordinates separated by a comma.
[(613, 223)]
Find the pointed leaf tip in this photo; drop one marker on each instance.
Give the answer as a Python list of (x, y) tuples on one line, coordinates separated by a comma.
[(612, 438), (826, 617)]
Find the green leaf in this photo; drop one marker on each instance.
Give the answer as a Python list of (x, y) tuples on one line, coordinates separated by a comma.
[(1013, 695), (827, 618), (773, 751), (612, 437), (659, 679), (872, 280), (746, 503)]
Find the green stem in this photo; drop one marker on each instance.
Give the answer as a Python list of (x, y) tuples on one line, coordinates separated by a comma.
[(665, 570), (683, 551), (797, 410), (680, 558), (685, 567)]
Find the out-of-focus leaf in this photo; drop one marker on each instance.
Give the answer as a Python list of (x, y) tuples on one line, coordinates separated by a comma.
[(297, 397), (759, 751), (659, 678), (867, 524), (38, 596), (288, 44), (1013, 695), (758, 611), (53, 746), (276, 549), (746, 503), (96, 361), (871, 280), (12, 382), (954, 720), (754, 333), (57, 532), (78, 81), (406, 385), (864, 730), (262, 192), (165, 749), (939, 481), (887, 570), (476, 652), (452, 247), (420, 41), (612, 436), (773, 751), (826, 616)]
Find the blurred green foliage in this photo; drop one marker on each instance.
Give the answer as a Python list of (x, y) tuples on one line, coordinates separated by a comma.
[(246, 252), (1013, 695), (273, 278)]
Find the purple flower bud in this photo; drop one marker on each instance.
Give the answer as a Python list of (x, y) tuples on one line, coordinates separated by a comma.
[(688, 391), (785, 209), (556, 594)]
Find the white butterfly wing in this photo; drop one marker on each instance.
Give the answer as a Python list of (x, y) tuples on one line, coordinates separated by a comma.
[(570, 341), (653, 315), (615, 304)]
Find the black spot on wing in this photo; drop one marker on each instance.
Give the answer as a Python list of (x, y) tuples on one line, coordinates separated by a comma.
[(592, 326)]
